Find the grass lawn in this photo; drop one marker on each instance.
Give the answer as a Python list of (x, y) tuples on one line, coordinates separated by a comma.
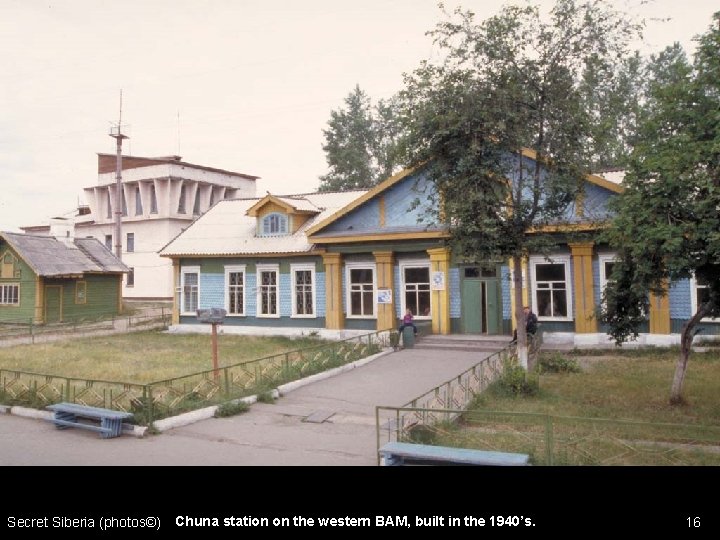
[(141, 357), (631, 385), (626, 387)]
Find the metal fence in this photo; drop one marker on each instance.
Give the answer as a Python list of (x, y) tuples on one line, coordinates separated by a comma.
[(23, 331), (159, 399), (553, 440)]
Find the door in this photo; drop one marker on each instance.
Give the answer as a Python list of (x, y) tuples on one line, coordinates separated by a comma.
[(53, 303), (480, 297), (471, 306)]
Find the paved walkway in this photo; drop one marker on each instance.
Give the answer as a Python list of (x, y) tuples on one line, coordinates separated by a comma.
[(270, 434)]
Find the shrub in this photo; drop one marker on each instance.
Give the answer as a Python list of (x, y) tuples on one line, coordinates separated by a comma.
[(266, 397), (557, 363), (516, 381), (231, 409)]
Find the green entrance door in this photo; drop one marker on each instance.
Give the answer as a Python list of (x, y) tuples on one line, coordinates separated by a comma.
[(471, 306), (53, 303), (480, 295)]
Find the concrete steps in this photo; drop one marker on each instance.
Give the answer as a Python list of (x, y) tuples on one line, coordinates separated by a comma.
[(462, 342)]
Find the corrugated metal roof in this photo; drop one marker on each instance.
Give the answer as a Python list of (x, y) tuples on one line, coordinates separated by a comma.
[(300, 204), (48, 256), (226, 229)]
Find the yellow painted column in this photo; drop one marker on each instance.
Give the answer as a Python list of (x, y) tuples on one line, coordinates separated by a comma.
[(39, 300), (440, 299), (660, 312), (525, 291), (334, 316), (176, 296), (386, 316), (584, 296)]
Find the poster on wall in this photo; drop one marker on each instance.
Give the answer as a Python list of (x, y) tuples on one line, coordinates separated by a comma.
[(384, 296), (438, 281)]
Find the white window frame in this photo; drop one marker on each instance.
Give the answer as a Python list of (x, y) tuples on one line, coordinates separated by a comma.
[(4, 295), (302, 268), (569, 292), (414, 264), (236, 269), (183, 271), (285, 219), (360, 266), (602, 259), (259, 269), (693, 302)]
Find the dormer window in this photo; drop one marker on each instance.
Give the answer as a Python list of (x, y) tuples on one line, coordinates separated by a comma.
[(274, 224)]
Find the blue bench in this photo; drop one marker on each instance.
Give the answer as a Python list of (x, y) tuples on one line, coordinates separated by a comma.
[(397, 453), (66, 415)]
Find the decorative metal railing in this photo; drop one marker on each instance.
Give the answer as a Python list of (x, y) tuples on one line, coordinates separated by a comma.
[(14, 332), (159, 399), (555, 440)]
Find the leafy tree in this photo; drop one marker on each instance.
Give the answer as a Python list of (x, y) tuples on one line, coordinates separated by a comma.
[(513, 81), (360, 143), (668, 223)]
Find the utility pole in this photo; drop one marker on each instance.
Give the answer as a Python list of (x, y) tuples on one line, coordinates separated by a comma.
[(118, 136)]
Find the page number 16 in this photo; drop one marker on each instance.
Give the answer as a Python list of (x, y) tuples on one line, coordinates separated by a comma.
[(693, 521)]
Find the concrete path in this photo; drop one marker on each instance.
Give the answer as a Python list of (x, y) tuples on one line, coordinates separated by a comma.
[(270, 434)]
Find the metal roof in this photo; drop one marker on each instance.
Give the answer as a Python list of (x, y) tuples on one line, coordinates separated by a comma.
[(49, 257), (226, 229)]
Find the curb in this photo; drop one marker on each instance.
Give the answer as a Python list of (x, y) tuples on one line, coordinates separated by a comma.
[(197, 415)]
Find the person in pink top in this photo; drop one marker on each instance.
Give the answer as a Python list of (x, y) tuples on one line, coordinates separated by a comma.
[(408, 321)]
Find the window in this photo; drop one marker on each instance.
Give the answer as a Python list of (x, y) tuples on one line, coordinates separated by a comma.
[(181, 202), (235, 290), (550, 288), (108, 241), (607, 263), (267, 290), (131, 278), (130, 242), (360, 290), (138, 202), (700, 292), (190, 289), (153, 200), (10, 294), (303, 295), (415, 289), (7, 269), (274, 224), (81, 292)]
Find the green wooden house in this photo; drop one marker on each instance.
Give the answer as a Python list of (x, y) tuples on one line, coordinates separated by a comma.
[(49, 279)]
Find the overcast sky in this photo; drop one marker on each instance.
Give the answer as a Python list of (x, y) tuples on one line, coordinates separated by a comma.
[(243, 85)]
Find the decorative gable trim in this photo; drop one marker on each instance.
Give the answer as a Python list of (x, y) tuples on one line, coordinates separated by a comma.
[(382, 186)]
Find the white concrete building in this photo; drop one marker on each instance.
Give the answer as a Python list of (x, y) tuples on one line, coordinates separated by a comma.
[(161, 197)]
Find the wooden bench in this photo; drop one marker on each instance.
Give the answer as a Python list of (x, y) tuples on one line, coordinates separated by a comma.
[(397, 453), (66, 415)]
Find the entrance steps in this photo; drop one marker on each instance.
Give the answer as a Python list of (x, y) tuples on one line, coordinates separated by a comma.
[(462, 342)]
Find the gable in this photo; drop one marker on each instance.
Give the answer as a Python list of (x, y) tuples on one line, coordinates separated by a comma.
[(403, 205)]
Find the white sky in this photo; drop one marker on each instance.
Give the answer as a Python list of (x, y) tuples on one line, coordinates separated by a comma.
[(253, 81)]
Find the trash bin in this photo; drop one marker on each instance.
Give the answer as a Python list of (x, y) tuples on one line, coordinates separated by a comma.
[(408, 337)]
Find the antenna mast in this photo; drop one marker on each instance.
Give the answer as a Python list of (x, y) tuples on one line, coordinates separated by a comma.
[(116, 133)]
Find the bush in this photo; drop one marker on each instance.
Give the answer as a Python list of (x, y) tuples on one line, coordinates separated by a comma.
[(231, 409), (266, 397), (557, 363), (516, 381)]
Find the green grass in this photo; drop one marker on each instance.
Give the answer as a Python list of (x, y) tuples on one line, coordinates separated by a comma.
[(141, 357), (627, 387), (630, 385)]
